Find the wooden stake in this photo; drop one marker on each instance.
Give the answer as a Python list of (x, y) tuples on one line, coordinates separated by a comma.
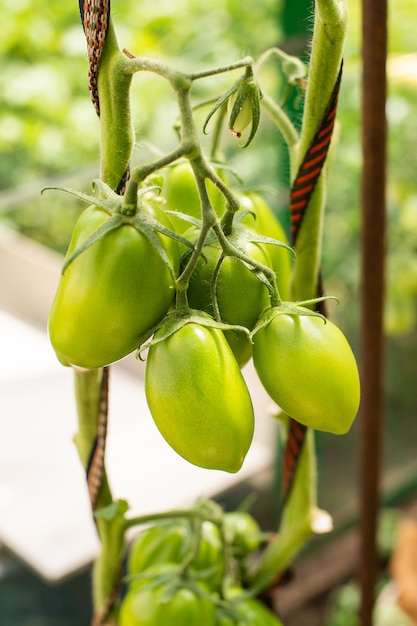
[(374, 135)]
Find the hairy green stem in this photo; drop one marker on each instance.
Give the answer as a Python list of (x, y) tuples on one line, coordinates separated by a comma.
[(246, 62), (106, 567), (297, 523), (117, 133), (330, 25), (117, 140), (283, 122)]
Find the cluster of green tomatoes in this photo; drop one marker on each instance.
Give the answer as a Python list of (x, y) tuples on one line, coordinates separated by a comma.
[(191, 571), (119, 285)]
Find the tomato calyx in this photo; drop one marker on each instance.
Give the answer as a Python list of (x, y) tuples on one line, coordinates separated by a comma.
[(110, 202), (254, 237), (178, 319), (292, 309), (138, 218)]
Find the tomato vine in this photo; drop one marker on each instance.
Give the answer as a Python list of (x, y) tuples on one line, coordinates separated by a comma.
[(126, 285)]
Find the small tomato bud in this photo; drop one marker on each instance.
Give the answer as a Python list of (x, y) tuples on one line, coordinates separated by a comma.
[(242, 115)]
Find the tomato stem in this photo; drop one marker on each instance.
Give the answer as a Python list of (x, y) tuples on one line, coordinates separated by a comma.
[(330, 25), (296, 525)]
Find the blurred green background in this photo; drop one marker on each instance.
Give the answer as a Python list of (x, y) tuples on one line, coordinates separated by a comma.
[(49, 134)]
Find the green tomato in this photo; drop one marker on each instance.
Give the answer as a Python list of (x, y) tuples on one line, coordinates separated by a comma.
[(181, 194), (241, 296), (150, 602), (262, 220), (171, 542), (242, 531), (112, 293), (165, 542), (246, 611), (198, 397), (308, 368)]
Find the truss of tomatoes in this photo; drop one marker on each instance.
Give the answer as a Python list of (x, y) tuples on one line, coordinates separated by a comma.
[(118, 287)]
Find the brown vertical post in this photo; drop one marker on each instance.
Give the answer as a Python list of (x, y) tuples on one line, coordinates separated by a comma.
[(374, 135)]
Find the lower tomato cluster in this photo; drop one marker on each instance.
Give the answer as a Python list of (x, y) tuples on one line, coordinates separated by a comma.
[(179, 573)]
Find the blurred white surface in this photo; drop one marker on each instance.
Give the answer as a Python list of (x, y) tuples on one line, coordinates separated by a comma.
[(44, 510)]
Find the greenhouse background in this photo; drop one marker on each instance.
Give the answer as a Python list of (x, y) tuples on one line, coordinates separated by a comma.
[(50, 135)]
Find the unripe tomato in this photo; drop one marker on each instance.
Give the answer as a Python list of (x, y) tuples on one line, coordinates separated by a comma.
[(198, 397), (181, 194), (165, 542), (308, 368), (242, 531), (241, 296), (171, 541), (111, 294), (262, 220), (152, 603)]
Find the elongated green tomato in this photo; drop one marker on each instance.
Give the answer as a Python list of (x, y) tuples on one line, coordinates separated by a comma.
[(262, 220), (241, 296), (111, 293), (198, 398), (171, 542), (166, 602), (309, 370), (181, 194)]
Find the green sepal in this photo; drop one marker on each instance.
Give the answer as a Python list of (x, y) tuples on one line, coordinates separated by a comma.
[(110, 204), (105, 189), (164, 230), (116, 509), (148, 226), (241, 214), (111, 224), (220, 101), (289, 308), (184, 216), (255, 238), (178, 319)]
